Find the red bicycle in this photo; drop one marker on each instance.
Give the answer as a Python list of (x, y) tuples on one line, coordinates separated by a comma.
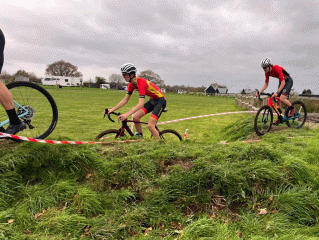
[(168, 135), (264, 116)]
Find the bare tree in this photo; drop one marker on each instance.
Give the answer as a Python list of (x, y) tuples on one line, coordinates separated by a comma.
[(33, 78), (62, 68), (153, 77), (217, 85), (116, 80), (100, 80), (6, 77)]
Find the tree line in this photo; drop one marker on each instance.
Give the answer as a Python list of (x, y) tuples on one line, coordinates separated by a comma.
[(116, 81), (10, 78)]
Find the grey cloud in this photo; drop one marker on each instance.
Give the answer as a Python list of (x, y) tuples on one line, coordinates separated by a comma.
[(200, 49)]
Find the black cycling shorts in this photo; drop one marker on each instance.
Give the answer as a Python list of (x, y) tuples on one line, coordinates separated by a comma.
[(156, 106), (2, 43), (287, 88)]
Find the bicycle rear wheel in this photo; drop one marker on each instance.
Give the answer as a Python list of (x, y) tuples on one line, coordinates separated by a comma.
[(298, 119), (169, 135), (42, 114), (263, 120)]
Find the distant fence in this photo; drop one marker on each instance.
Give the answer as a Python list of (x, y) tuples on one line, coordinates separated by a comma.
[(250, 102)]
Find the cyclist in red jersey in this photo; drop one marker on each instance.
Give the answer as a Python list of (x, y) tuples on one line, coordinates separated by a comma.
[(285, 84), (156, 104)]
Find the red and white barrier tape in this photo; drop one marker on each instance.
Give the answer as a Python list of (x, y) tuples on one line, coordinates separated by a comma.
[(125, 141), (61, 142), (207, 115)]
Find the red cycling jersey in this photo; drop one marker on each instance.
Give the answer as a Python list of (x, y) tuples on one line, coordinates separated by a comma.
[(145, 87), (277, 72)]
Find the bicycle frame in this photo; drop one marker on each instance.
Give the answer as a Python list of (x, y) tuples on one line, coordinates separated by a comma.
[(126, 127), (16, 105), (271, 103), (170, 134)]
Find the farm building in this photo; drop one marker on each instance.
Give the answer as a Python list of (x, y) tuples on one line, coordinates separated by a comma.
[(180, 91), (61, 81), (22, 78), (210, 90), (222, 90)]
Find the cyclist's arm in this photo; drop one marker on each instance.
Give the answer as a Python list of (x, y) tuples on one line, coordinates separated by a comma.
[(133, 110), (121, 103), (137, 107), (263, 88)]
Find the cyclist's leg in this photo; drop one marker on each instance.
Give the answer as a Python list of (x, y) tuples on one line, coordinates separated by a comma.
[(2, 43), (151, 126), (6, 99), (5, 95), (285, 92), (136, 117), (158, 109), (148, 107)]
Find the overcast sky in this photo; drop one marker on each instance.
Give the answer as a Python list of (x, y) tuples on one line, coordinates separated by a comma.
[(186, 42)]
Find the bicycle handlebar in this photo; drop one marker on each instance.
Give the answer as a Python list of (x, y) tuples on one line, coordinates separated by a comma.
[(109, 116), (266, 94)]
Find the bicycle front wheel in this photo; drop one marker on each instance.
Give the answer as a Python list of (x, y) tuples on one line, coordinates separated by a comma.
[(263, 120), (109, 135), (42, 114), (298, 118), (169, 135)]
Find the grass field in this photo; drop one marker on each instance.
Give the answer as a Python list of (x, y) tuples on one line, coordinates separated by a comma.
[(198, 189), (81, 118)]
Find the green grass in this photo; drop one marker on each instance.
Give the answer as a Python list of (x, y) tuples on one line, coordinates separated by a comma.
[(81, 113), (199, 189)]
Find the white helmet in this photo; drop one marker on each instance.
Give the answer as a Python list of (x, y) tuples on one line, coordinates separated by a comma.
[(265, 63), (128, 68)]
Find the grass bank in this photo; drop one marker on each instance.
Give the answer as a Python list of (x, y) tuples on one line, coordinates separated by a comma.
[(150, 190), (199, 189)]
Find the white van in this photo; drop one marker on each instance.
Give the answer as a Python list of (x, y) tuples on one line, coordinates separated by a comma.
[(105, 86)]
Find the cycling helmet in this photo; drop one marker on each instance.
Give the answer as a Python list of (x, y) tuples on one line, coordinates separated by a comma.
[(265, 63), (128, 68)]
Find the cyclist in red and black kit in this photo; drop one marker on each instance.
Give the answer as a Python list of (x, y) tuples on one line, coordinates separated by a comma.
[(285, 84), (156, 104)]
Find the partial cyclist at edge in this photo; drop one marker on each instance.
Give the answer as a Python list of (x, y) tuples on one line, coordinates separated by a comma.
[(6, 99), (284, 88), (156, 104)]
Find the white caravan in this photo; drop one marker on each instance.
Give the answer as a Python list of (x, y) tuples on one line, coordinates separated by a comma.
[(105, 86), (61, 81)]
